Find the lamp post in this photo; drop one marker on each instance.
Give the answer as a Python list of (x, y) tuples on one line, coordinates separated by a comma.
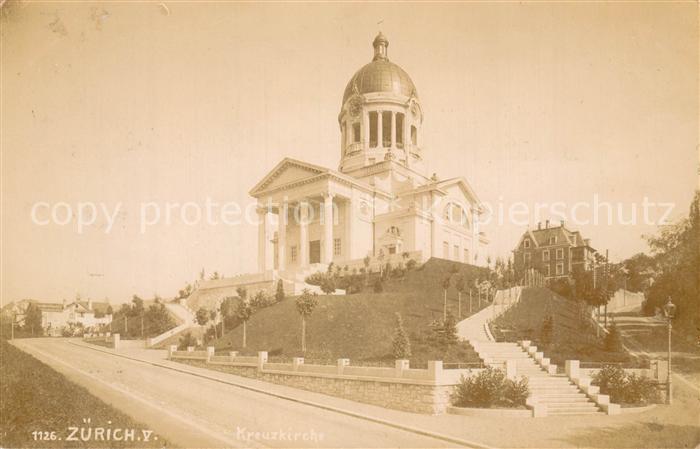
[(669, 312)]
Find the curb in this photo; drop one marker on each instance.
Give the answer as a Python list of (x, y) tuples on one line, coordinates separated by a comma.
[(418, 431)]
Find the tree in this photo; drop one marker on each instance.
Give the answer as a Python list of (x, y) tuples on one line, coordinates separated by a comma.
[(613, 342), (401, 344), (202, 316), (212, 316), (226, 309), (279, 294), (158, 320), (380, 258), (32, 319), (137, 308), (243, 313), (215, 275), (306, 303), (242, 293), (460, 285)]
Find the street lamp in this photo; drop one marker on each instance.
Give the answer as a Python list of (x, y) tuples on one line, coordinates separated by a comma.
[(669, 312)]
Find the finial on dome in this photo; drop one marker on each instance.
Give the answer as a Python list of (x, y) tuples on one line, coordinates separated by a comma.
[(380, 44)]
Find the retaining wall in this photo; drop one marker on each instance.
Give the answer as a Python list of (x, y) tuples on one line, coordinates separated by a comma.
[(401, 388), (103, 339)]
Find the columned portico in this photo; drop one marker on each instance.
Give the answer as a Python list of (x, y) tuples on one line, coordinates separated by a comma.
[(282, 237), (265, 249), (303, 233)]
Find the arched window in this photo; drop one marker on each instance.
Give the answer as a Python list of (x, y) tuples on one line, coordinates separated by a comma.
[(414, 135), (455, 214), (356, 132)]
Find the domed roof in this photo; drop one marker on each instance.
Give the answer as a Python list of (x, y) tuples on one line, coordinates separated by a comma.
[(380, 75)]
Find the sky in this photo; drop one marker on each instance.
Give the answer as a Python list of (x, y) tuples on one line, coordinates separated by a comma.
[(125, 104)]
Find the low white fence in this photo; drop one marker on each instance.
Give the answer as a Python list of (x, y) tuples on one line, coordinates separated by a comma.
[(103, 339)]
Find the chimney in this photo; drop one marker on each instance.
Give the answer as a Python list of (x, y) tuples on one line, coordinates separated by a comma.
[(539, 225), (546, 224)]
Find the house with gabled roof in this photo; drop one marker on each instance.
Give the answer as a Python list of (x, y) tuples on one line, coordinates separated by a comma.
[(555, 251)]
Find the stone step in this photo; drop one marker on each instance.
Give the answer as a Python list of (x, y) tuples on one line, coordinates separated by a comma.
[(563, 398), (564, 413)]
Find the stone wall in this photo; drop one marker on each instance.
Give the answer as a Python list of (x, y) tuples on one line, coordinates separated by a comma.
[(419, 391), (106, 339)]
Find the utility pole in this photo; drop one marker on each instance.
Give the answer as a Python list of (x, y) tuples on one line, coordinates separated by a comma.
[(141, 325)]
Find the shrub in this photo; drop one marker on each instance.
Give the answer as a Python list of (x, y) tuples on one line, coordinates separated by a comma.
[(186, 340), (490, 388), (316, 278), (279, 294), (261, 299), (411, 264), (328, 286), (625, 388), (378, 286)]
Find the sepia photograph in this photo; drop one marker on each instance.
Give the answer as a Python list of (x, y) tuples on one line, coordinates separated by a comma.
[(352, 224)]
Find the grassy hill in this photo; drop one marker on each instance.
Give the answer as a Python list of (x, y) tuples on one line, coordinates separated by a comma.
[(572, 337), (361, 326)]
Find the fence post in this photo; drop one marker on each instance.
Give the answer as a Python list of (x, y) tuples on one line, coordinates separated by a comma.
[(210, 353), (400, 365), (572, 369), (435, 369), (116, 341), (232, 355), (342, 363), (190, 349), (171, 351), (262, 359), (296, 361)]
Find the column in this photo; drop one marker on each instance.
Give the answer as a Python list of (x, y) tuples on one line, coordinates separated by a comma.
[(303, 234), (393, 130), (380, 138), (347, 224), (327, 228), (282, 238), (365, 130), (262, 237)]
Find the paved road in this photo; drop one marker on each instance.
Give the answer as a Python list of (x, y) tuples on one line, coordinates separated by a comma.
[(196, 412)]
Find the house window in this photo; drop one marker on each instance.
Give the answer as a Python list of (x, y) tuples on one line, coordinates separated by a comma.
[(545, 255), (293, 253), (456, 252), (445, 250), (373, 129), (526, 243), (560, 253), (560, 268), (414, 135), (466, 255), (336, 247), (399, 130), (553, 240), (392, 249), (355, 132), (547, 270)]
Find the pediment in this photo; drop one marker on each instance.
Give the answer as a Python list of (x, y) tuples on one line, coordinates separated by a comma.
[(287, 171)]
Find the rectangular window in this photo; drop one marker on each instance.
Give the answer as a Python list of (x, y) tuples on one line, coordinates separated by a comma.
[(560, 253), (466, 255), (399, 130), (445, 250), (355, 132), (414, 135), (386, 129), (546, 270), (373, 129), (293, 253), (392, 249), (456, 252), (336, 247), (526, 243), (553, 240), (560, 268), (545, 255)]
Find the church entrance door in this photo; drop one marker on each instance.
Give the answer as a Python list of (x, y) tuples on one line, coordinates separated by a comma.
[(315, 251)]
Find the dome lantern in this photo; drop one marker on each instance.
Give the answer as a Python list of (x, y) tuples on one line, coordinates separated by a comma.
[(381, 45)]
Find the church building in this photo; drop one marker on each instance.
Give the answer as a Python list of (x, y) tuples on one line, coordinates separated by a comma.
[(380, 200)]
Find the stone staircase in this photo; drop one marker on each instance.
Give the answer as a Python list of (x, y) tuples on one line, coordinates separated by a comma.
[(550, 393)]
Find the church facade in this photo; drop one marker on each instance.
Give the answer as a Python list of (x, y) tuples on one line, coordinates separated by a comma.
[(380, 199)]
